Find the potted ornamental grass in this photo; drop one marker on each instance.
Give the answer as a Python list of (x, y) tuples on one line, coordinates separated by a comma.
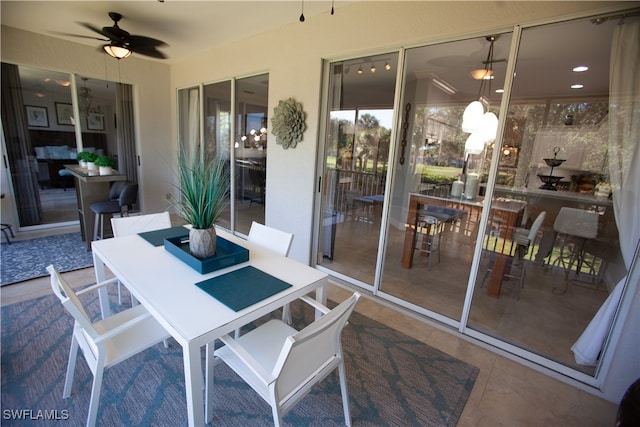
[(203, 195), (106, 164)]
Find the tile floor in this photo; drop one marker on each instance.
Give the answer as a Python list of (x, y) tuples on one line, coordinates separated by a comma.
[(505, 393)]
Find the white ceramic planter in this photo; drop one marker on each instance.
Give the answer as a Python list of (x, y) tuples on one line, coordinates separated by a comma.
[(91, 166), (106, 170)]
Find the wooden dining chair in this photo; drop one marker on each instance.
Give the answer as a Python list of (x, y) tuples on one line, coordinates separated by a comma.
[(275, 240), (106, 342), (129, 225), (282, 364)]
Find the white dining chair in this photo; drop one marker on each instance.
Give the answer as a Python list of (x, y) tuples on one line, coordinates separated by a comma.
[(106, 342), (282, 364), (275, 240), (522, 240), (270, 238), (129, 225)]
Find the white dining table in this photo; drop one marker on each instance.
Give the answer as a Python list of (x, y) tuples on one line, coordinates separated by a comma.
[(165, 285)]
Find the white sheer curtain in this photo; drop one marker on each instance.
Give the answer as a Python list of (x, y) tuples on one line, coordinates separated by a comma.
[(624, 173), (193, 115)]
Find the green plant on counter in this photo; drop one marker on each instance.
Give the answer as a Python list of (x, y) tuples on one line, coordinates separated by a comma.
[(105, 161), (86, 156)]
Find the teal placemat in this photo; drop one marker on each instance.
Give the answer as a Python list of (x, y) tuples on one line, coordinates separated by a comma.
[(156, 237), (243, 287)]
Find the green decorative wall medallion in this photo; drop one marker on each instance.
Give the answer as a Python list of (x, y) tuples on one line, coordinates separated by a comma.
[(287, 123)]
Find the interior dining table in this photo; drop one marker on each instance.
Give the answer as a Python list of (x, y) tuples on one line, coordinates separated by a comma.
[(508, 211), (168, 288)]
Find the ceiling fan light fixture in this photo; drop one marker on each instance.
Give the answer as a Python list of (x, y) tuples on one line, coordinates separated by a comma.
[(482, 74), (118, 52)]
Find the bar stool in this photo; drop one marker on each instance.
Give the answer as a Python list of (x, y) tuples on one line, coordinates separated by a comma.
[(122, 196), (574, 227), (6, 227), (428, 236), (522, 240)]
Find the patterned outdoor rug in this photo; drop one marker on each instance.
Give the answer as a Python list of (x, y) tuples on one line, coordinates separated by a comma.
[(393, 379), (28, 259)]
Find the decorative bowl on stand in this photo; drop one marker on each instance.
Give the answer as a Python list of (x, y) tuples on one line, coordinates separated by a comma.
[(550, 181), (554, 162)]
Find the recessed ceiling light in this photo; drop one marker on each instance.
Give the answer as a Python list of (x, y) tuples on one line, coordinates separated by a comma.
[(580, 68), (499, 90), (577, 86)]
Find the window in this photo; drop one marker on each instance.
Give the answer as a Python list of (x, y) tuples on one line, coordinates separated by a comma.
[(243, 123)]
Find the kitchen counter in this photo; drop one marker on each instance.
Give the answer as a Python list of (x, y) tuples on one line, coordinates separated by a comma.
[(91, 187), (569, 196)]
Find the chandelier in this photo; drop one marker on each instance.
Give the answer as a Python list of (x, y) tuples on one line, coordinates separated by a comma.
[(257, 138), (86, 100)]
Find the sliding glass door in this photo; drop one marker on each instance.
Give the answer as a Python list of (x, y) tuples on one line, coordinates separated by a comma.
[(435, 210), (498, 206), (356, 161), (540, 293), (44, 132)]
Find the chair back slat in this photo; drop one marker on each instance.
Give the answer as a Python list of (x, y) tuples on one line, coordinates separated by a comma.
[(70, 301), (130, 225), (314, 348), (270, 238), (533, 232)]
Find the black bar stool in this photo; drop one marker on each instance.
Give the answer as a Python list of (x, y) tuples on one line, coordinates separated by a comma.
[(122, 196)]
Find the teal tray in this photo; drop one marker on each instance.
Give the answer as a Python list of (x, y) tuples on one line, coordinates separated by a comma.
[(227, 254)]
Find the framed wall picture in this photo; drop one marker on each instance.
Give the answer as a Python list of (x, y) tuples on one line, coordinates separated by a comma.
[(64, 113), (95, 121), (37, 116)]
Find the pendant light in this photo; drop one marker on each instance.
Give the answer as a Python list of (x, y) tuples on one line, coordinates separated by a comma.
[(475, 118)]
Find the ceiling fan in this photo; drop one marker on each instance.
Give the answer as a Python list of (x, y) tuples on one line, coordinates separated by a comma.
[(122, 43)]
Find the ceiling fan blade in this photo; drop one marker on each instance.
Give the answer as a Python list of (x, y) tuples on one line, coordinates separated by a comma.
[(94, 29), (102, 39), (145, 41), (150, 51)]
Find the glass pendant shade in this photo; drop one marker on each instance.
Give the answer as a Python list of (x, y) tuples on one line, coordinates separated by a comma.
[(472, 117), (117, 52), (474, 144), (488, 127)]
